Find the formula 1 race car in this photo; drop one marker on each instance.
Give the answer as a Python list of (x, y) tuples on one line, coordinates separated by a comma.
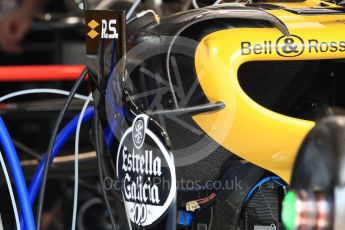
[(202, 114)]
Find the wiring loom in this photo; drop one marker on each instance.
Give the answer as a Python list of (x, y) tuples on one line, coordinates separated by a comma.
[(51, 146)]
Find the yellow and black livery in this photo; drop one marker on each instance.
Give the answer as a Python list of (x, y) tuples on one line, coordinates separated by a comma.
[(230, 84), (266, 69)]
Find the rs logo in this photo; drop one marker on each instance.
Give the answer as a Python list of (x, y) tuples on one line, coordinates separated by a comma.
[(108, 29)]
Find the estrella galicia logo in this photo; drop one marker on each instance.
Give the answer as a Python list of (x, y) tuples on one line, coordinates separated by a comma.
[(147, 174), (138, 133), (291, 46)]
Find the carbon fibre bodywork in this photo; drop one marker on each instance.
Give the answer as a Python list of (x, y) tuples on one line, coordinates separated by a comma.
[(193, 75)]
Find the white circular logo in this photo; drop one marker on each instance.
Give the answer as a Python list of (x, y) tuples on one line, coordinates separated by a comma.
[(147, 174)]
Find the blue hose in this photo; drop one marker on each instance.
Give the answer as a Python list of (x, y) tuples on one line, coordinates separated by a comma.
[(275, 179), (61, 139), (18, 176)]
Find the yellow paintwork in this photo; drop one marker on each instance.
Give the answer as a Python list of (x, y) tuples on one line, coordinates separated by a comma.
[(261, 136), (301, 4)]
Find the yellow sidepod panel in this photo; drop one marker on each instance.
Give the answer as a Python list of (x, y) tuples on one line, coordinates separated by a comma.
[(302, 4), (249, 130)]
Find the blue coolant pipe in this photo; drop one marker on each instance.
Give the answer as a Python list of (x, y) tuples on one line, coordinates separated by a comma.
[(61, 139), (18, 177)]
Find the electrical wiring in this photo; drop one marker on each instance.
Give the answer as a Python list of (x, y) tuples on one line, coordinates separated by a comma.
[(275, 179), (51, 145), (94, 80), (10, 190), (76, 166), (217, 2), (207, 199), (141, 14), (40, 91), (279, 182), (132, 9), (87, 187), (200, 203), (100, 172), (105, 4), (61, 139), (1, 225), (18, 176), (85, 5), (33, 154), (195, 4)]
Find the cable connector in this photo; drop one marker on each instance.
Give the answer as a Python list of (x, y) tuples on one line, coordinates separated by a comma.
[(192, 206), (143, 13)]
